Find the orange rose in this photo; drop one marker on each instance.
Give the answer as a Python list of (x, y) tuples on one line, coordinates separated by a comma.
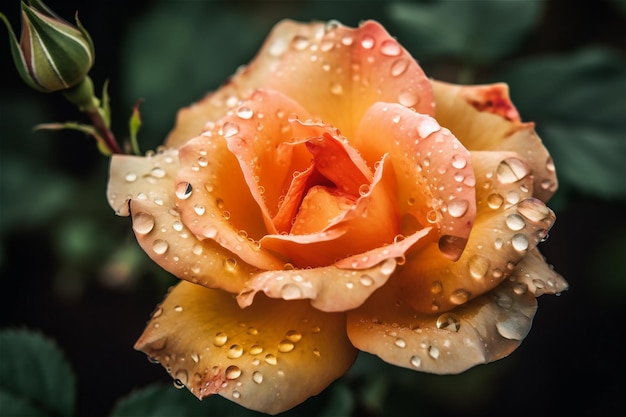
[(371, 208)]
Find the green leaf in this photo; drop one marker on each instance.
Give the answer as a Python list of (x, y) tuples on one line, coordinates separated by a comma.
[(35, 379), (577, 102), (477, 32)]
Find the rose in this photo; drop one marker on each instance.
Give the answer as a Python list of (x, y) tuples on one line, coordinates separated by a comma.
[(321, 177)]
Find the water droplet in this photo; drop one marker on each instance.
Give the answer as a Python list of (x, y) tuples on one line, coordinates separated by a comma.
[(513, 328), (520, 288), (160, 246), (364, 189), (236, 394), (178, 384), (449, 321), (408, 98), (290, 292), (347, 40), (271, 359), (367, 42), (458, 207), (158, 172), (390, 48), (452, 246), (399, 342), (178, 309), (436, 287), (202, 161), (177, 225), (195, 357), (255, 349), (230, 129), (459, 296), (285, 346), (515, 222), (399, 67), (257, 377), (130, 177), (366, 280), (220, 339), (427, 127), (511, 170), (336, 88), (495, 201), (143, 223), (293, 336), (232, 372), (199, 209), (415, 361), (533, 209), (197, 249), (235, 351), (230, 264), (433, 352), (182, 376), (459, 161), (183, 190), (388, 267), (478, 266), (519, 242), (245, 112)]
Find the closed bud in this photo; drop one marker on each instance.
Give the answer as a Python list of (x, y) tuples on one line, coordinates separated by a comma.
[(52, 54)]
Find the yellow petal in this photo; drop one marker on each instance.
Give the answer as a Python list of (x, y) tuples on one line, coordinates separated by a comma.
[(335, 72), (269, 357), (486, 329), (484, 118), (339, 287), (144, 187), (435, 180)]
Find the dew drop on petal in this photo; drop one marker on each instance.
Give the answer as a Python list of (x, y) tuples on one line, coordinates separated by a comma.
[(220, 339), (511, 170), (271, 359), (285, 346), (130, 177), (257, 377), (160, 246), (459, 161), (520, 242), (366, 280), (459, 296), (293, 336), (399, 342), (143, 223), (415, 361), (235, 351), (245, 112), (336, 88), (433, 352), (229, 129), (232, 372), (495, 201), (408, 98), (290, 292), (449, 321), (367, 42), (427, 127), (458, 207), (390, 48), (399, 67), (183, 190), (515, 222), (533, 209), (478, 266)]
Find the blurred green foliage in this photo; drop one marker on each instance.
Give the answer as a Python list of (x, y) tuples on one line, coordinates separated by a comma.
[(72, 269)]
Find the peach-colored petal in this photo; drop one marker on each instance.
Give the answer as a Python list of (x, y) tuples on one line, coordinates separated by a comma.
[(268, 357), (335, 72), (534, 274), (215, 202), (370, 222), (484, 118), (144, 188), (499, 240), (340, 287), (486, 329), (433, 169)]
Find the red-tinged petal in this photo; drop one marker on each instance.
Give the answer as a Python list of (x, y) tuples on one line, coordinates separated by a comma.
[(335, 72), (269, 357), (484, 330), (535, 275), (484, 118), (144, 188), (370, 222), (215, 202), (340, 287), (499, 240), (433, 169)]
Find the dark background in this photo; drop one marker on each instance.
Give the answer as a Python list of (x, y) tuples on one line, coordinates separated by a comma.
[(72, 270)]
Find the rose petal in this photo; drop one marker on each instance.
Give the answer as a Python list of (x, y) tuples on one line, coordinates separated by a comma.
[(499, 240), (350, 70), (215, 202), (144, 187), (258, 357), (486, 329), (370, 222), (484, 118), (534, 274), (433, 169), (334, 288)]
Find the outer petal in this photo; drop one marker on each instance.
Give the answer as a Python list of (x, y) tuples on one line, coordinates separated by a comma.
[(484, 330), (433, 169), (144, 187), (484, 118), (333, 288), (534, 274), (334, 71), (269, 357), (509, 224), (215, 202)]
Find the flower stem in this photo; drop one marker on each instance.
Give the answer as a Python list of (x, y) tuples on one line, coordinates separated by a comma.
[(98, 122)]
